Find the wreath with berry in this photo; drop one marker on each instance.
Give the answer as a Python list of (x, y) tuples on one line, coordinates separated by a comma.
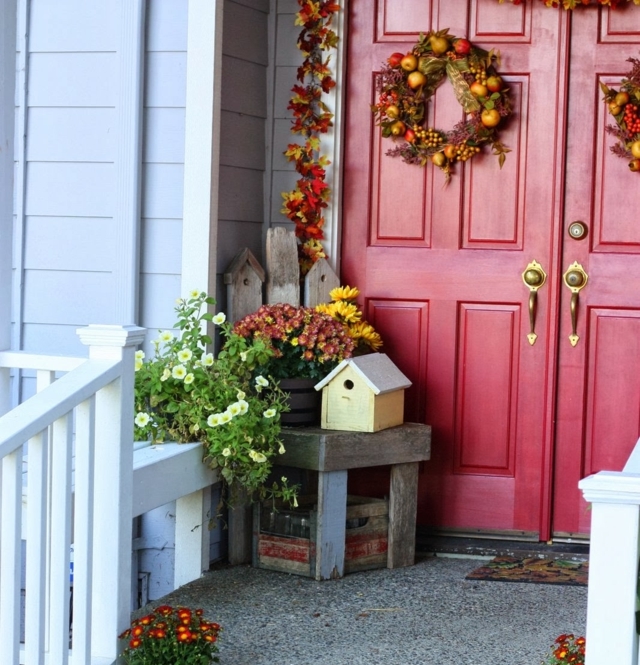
[(574, 4), (623, 105), (408, 81)]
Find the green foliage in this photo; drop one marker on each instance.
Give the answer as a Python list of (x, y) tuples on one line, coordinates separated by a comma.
[(186, 394)]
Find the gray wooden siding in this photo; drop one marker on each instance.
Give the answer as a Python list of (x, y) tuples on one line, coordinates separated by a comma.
[(287, 58), (243, 127)]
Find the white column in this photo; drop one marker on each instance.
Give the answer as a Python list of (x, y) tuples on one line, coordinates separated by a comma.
[(613, 567), (113, 493), (202, 146)]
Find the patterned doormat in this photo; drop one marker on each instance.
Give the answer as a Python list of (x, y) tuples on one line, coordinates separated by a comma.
[(533, 570)]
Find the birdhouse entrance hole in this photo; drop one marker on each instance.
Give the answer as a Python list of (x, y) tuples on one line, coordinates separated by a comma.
[(348, 384)]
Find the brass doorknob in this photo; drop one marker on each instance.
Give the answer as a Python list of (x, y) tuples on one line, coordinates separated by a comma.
[(575, 279), (534, 277)]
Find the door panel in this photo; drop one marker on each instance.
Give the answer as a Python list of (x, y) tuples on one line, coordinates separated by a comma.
[(598, 415), (450, 260)]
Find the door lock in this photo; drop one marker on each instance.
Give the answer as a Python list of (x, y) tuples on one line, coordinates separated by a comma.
[(578, 230)]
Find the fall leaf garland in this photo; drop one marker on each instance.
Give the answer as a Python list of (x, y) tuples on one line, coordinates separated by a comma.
[(305, 205)]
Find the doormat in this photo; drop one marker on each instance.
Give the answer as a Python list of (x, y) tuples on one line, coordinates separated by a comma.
[(533, 570)]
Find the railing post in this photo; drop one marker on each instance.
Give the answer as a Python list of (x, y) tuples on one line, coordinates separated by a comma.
[(113, 490), (613, 567)]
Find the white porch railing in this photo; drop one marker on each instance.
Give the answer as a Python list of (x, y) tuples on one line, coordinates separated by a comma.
[(613, 564), (87, 416)]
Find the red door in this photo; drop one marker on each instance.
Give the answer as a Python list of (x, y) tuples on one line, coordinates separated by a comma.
[(441, 268)]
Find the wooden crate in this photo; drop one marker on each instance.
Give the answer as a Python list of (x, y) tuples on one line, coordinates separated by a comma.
[(287, 541)]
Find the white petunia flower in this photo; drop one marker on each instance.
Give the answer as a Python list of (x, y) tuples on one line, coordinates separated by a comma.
[(189, 378), (257, 457), (138, 364), (269, 413), (179, 372), (240, 395), (226, 452), (295, 502), (243, 356), (142, 419), (244, 406), (281, 450), (234, 409), (185, 355), (179, 301), (140, 355), (219, 318), (213, 420), (166, 374), (261, 381), (225, 418), (195, 293), (166, 336), (207, 359)]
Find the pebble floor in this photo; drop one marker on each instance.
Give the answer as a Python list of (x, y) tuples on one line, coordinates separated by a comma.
[(427, 614)]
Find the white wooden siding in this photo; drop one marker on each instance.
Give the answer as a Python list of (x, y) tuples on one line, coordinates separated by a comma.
[(163, 162), (67, 235)]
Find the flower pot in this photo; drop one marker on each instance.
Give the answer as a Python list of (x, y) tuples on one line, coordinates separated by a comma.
[(304, 400)]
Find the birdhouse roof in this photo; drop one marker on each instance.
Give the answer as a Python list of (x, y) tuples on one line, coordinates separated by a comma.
[(377, 371)]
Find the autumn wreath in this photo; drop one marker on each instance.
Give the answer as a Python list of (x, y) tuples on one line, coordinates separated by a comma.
[(623, 106), (408, 81), (573, 4)]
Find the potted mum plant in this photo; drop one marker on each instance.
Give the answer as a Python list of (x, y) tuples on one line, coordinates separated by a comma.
[(185, 394), (304, 346), (171, 636)]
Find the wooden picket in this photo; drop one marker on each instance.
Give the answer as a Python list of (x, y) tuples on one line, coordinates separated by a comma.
[(244, 278)]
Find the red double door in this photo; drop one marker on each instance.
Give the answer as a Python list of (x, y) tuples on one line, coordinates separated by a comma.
[(515, 425)]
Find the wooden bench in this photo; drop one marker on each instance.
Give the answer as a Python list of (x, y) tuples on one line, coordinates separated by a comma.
[(332, 453)]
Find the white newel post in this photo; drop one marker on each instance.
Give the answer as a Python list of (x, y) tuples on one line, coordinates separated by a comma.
[(613, 567), (113, 497)]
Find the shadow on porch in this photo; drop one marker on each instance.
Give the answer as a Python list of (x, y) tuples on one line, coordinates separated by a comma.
[(426, 614)]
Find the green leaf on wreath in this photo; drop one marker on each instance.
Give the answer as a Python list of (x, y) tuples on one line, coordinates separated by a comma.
[(461, 88)]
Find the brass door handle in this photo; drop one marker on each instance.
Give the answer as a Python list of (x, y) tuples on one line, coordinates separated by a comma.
[(534, 278), (575, 279)]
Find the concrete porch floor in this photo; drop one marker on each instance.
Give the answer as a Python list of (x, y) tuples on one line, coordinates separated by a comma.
[(427, 614)]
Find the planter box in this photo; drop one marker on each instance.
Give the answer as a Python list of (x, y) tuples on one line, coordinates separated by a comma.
[(285, 540)]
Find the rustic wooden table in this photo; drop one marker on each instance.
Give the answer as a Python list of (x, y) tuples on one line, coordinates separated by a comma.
[(332, 453)]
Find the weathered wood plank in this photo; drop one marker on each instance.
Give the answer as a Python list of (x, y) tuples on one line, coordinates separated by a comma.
[(240, 530), (329, 450), (403, 509), (331, 526), (283, 282), (244, 278), (318, 282)]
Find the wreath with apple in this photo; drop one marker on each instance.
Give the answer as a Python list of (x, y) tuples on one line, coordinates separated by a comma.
[(408, 81), (623, 106), (574, 4)]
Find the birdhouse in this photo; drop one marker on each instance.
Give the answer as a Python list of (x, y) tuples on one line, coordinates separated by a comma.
[(363, 394)]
